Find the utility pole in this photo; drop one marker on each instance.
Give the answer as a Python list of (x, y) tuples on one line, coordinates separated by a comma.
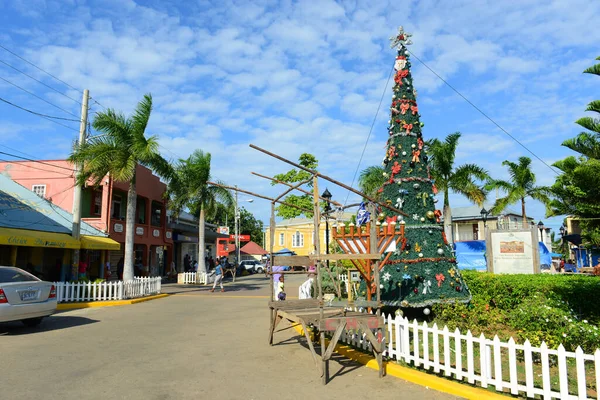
[(237, 231), (76, 231)]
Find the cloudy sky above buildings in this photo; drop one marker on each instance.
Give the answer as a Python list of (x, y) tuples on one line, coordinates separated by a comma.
[(304, 76)]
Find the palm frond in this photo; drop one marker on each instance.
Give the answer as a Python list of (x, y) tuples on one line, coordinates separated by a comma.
[(371, 179), (585, 143)]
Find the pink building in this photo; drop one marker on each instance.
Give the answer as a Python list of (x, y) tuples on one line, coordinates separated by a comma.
[(104, 207)]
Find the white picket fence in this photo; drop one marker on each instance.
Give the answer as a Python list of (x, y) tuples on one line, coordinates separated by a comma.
[(104, 291), (188, 278), (520, 369)]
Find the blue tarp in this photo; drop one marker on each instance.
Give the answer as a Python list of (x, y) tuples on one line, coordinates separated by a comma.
[(471, 255)]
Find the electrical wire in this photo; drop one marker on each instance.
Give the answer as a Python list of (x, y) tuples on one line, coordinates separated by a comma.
[(40, 82), (36, 161), (38, 97), (44, 71), (41, 169), (370, 132), (37, 113), (481, 112)]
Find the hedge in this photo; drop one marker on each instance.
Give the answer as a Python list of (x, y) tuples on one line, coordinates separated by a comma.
[(554, 308)]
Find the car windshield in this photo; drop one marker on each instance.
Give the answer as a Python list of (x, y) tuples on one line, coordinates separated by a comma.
[(8, 275)]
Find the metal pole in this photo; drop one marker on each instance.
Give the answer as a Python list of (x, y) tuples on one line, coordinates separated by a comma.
[(237, 233), (76, 229)]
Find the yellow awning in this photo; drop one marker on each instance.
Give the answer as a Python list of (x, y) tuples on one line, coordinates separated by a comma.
[(24, 237), (99, 243)]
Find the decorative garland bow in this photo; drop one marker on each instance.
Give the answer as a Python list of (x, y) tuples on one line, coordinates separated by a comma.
[(400, 75), (404, 108), (427, 287), (408, 127), (424, 197), (396, 168), (438, 215), (440, 278), (416, 153), (414, 109)]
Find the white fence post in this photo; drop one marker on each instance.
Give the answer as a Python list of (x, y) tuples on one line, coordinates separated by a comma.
[(447, 364), (483, 363), (545, 371), (436, 349), (528, 368), (497, 363), (470, 360), (458, 354), (512, 367), (563, 378)]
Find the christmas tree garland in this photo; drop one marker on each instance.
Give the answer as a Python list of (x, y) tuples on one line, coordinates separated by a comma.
[(422, 270)]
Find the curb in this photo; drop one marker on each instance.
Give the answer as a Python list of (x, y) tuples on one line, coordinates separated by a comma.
[(92, 304), (411, 375)]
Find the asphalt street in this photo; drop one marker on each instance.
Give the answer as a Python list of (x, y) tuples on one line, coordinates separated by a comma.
[(191, 345)]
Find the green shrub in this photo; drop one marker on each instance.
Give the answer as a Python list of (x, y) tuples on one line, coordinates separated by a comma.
[(551, 308)]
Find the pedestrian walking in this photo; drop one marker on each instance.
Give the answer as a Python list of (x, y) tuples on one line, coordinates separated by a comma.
[(218, 277)]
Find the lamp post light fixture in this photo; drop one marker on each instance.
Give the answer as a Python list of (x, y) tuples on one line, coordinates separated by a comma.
[(326, 210), (562, 230), (484, 215), (540, 226)]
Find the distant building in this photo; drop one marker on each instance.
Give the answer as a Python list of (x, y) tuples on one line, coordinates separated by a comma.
[(297, 234)]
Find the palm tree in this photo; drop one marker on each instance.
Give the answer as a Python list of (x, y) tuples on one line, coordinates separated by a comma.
[(520, 186), (461, 180), (371, 179), (189, 189), (117, 152)]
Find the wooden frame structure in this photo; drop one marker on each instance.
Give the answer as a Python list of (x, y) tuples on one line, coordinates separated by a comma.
[(315, 313)]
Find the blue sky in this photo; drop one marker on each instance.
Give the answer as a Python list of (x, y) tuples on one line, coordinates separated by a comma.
[(306, 76)]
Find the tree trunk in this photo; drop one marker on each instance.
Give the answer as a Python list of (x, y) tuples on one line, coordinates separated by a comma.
[(525, 223), (448, 219), (201, 245), (130, 232)]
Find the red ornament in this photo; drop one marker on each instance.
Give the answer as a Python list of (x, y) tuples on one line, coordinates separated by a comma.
[(458, 288), (396, 168), (434, 188), (438, 215), (420, 143), (416, 290)]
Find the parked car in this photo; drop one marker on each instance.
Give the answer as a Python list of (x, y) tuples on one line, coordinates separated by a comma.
[(24, 297), (252, 266)]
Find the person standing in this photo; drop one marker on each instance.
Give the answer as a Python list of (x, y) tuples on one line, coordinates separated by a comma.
[(218, 277), (120, 267)]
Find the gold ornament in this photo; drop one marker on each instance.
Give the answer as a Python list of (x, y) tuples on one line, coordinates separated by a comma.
[(430, 214)]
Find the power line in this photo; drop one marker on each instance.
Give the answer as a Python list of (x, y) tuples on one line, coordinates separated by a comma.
[(49, 118), (36, 161), (482, 113), (40, 82), (38, 97), (37, 113), (44, 71), (38, 168), (370, 132)]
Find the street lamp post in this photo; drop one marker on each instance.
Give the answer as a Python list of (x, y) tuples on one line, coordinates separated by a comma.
[(237, 228), (541, 228), (484, 215), (326, 210)]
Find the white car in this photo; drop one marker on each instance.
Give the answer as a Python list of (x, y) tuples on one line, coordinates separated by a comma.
[(24, 297), (252, 266)]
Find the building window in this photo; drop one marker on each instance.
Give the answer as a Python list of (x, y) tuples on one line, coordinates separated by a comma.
[(298, 239), (141, 211), (40, 190), (97, 202), (156, 213), (281, 239), (116, 207)]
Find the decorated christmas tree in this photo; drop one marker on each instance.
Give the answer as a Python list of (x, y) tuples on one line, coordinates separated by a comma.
[(422, 270)]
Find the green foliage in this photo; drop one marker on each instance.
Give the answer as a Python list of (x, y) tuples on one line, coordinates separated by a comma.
[(295, 176), (551, 308), (120, 148), (371, 179), (189, 187), (330, 282), (249, 225), (463, 179), (520, 186), (576, 190)]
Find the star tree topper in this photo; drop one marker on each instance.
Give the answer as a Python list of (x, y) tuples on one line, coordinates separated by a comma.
[(401, 39)]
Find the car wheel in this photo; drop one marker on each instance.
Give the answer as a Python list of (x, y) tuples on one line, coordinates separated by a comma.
[(260, 270), (31, 322)]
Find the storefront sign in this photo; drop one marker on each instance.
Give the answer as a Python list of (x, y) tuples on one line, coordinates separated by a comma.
[(139, 230), (224, 230), (169, 234), (156, 233), (243, 238), (118, 228)]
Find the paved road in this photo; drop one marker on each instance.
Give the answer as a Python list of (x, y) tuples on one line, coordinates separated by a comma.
[(192, 345)]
